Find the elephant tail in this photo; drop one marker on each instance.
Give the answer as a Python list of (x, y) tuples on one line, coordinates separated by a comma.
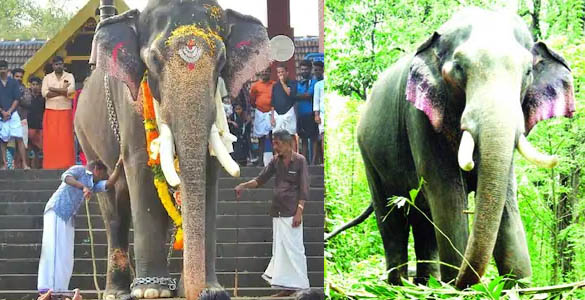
[(362, 217)]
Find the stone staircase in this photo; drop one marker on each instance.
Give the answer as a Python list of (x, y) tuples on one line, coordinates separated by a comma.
[(244, 235)]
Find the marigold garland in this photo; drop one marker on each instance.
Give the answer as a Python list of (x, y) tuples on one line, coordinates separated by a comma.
[(160, 183), (209, 35)]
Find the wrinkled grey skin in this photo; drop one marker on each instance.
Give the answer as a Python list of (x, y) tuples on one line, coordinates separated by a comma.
[(480, 72), (124, 48)]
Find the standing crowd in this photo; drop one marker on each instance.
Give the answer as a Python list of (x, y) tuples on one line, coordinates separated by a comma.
[(266, 105), (36, 128), (37, 122)]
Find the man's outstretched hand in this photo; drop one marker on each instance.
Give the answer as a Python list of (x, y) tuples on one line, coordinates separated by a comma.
[(239, 189)]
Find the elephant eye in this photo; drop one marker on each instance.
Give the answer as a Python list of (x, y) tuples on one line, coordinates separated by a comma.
[(528, 72), (458, 68)]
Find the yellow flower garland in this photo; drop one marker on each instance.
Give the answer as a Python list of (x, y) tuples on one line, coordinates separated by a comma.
[(207, 34), (160, 183)]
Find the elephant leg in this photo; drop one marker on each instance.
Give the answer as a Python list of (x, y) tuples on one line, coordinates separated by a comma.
[(394, 229), (511, 252), (444, 190), (425, 243), (393, 226), (115, 211), (115, 207), (150, 225)]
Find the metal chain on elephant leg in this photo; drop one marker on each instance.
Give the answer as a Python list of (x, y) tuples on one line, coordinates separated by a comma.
[(112, 117)]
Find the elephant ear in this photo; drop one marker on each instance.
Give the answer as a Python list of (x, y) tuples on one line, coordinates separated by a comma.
[(425, 87), (247, 50), (551, 93), (116, 51)]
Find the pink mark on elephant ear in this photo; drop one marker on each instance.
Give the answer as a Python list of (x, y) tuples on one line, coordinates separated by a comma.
[(423, 94), (545, 102), (115, 51), (243, 43), (551, 94)]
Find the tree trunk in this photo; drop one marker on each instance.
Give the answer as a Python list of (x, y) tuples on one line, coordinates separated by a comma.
[(536, 20), (564, 217)]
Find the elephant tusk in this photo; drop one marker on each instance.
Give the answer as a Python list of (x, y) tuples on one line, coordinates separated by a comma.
[(534, 156), (225, 159), (465, 156), (167, 155)]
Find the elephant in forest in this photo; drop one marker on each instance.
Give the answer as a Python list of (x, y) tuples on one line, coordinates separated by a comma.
[(180, 48), (480, 80)]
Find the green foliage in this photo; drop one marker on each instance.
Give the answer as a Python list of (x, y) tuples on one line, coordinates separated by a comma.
[(543, 195), (550, 202), (365, 37), (25, 19)]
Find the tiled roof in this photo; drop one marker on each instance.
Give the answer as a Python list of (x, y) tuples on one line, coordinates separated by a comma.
[(304, 46), (16, 53)]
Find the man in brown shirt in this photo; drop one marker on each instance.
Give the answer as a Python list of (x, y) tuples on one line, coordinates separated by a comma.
[(287, 269)]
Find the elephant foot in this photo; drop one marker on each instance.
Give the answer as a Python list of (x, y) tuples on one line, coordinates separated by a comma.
[(151, 292), (153, 288), (118, 279), (214, 293)]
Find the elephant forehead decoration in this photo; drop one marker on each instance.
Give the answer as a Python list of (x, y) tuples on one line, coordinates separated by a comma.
[(190, 53), (208, 35)]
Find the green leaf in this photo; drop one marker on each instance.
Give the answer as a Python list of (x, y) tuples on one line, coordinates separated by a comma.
[(434, 283)]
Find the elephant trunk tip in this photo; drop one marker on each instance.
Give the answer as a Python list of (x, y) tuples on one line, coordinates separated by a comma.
[(468, 276)]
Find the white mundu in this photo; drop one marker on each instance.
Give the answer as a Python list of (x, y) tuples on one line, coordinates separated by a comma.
[(288, 266)]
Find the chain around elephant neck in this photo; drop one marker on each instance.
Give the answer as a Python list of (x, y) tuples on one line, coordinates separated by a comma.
[(112, 117)]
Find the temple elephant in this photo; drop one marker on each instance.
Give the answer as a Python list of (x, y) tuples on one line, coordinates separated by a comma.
[(179, 48), (453, 113)]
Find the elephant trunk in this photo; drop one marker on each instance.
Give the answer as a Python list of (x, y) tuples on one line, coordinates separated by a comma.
[(496, 141), (192, 160), (190, 132)]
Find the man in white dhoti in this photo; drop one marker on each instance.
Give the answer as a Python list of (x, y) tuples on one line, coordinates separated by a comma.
[(287, 269), (261, 100), (10, 124), (284, 93), (78, 182)]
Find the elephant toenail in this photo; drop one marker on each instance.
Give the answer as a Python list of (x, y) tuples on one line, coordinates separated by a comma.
[(151, 293), (138, 293), (165, 294)]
